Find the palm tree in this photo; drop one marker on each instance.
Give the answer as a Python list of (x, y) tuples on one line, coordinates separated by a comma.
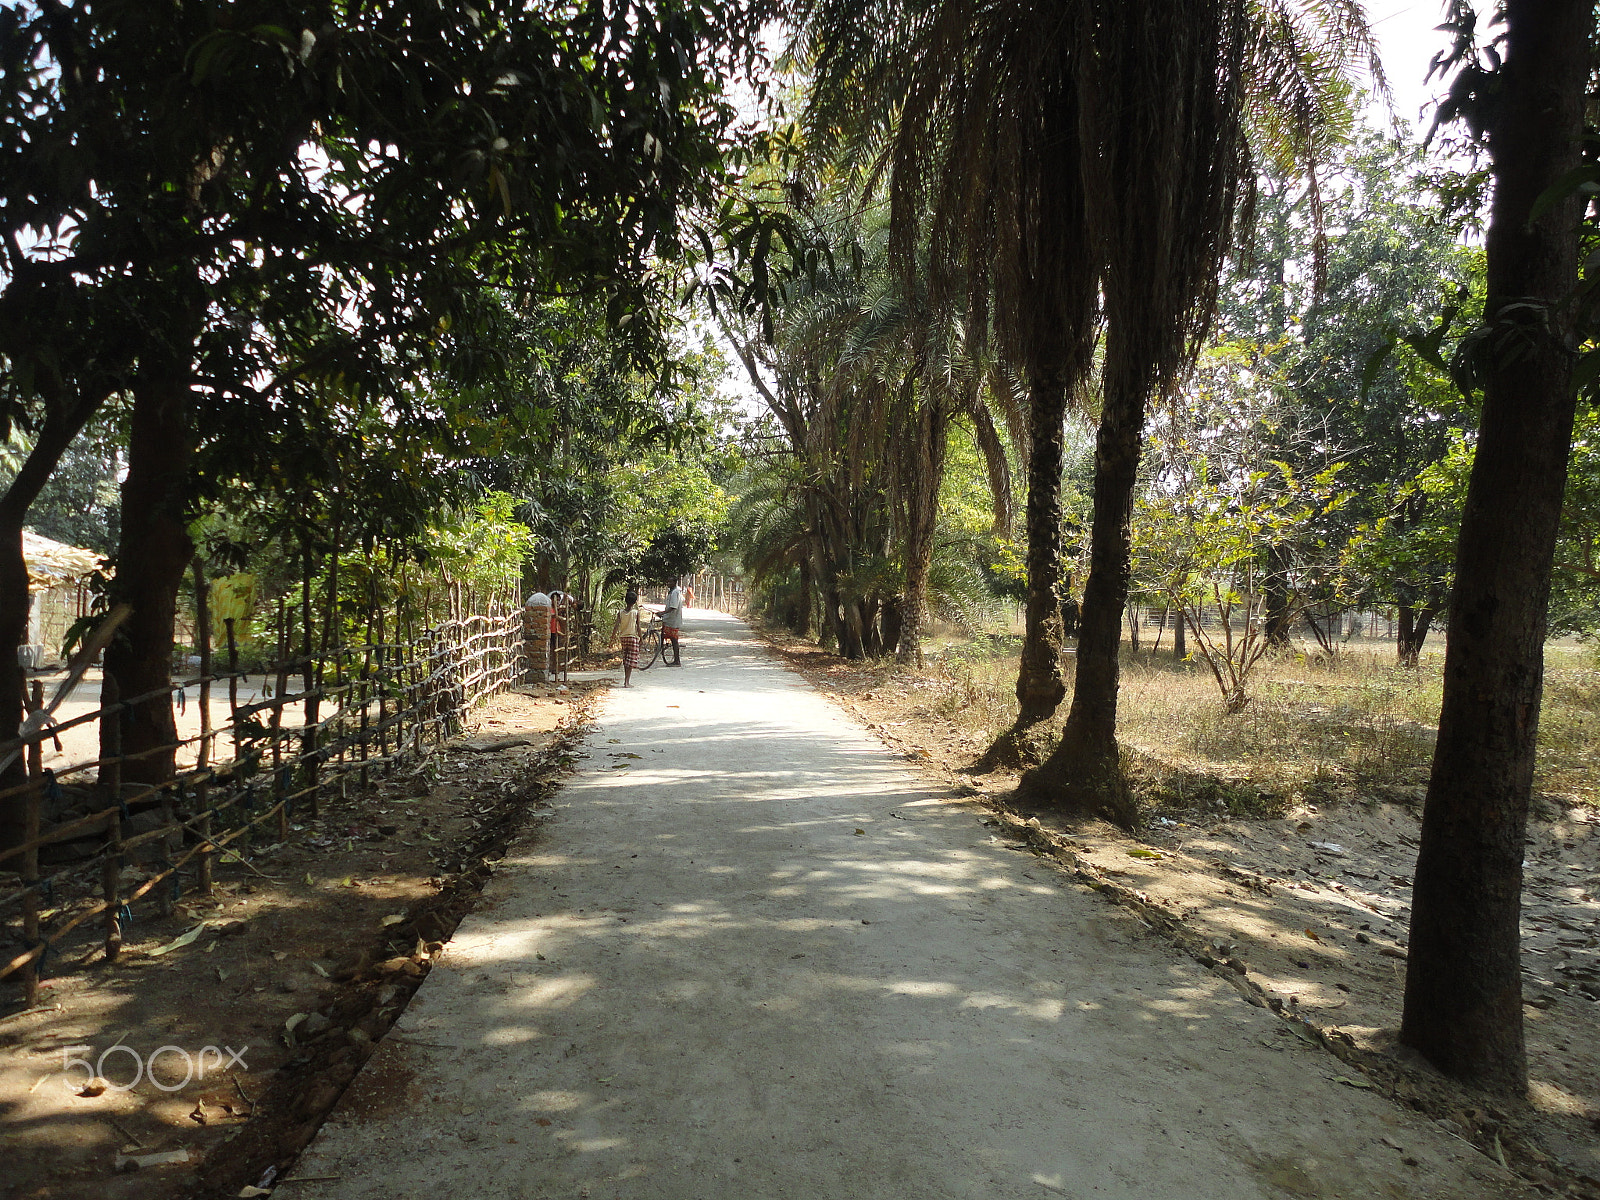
[(971, 108), (1055, 155), (864, 383)]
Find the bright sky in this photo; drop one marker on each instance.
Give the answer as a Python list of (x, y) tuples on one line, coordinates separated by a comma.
[(1407, 41)]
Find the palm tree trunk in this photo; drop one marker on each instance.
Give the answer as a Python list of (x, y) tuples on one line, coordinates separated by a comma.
[(807, 601), (1039, 684), (932, 442), (1463, 1001), (1084, 771)]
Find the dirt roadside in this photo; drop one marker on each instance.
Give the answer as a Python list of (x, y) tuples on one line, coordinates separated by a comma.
[(237, 1040), (1306, 914)]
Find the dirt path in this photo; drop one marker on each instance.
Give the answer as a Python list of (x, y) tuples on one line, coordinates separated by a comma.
[(192, 1038), (752, 957)]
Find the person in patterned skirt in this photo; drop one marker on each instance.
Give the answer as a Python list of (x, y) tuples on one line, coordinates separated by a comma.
[(627, 628)]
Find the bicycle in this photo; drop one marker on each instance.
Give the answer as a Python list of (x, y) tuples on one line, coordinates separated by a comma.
[(652, 646)]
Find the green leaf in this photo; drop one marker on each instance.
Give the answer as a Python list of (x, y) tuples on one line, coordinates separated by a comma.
[(1585, 371), (1584, 178), (1374, 364)]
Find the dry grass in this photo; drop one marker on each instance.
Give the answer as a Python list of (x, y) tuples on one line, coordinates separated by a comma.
[(1358, 728)]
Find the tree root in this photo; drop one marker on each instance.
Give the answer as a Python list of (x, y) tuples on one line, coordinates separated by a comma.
[(1019, 748), (1086, 778)]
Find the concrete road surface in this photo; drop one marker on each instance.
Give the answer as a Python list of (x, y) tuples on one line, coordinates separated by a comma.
[(752, 958)]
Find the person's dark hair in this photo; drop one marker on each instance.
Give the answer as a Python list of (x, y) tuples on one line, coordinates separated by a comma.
[(631, 599)]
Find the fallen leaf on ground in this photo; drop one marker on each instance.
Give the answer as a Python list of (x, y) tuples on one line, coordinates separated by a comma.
[(182, 940)]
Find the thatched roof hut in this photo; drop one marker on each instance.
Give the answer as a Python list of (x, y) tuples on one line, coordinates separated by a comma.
[(53, 564), (57, 594)]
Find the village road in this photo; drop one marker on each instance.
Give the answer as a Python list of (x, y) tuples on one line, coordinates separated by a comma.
[(753, 957)]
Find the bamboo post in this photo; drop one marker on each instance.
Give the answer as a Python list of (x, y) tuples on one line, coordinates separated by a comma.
[(164, 894), (381, 679), (32, 800), (308, 736), (233, 668), (202, 637), (111, 739), (276, 722), (414, 700), (365, 693), (202, 800), (108, 880)]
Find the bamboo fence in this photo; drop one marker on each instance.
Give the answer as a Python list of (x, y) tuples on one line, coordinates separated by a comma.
[(363, 709)]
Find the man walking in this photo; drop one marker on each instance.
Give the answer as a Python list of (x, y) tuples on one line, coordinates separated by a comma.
[(672, 624)]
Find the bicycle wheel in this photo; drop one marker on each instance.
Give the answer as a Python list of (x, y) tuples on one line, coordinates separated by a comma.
[(649, 649)]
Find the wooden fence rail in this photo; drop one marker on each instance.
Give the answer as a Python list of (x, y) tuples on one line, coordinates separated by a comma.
[(364, 708)]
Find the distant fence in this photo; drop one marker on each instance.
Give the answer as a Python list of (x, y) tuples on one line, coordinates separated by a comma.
[(361, 709), (1338, 625), (722, 593)]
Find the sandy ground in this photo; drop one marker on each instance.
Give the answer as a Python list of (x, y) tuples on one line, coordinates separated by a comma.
[(275, 934), (751, 956), (1312, 910)]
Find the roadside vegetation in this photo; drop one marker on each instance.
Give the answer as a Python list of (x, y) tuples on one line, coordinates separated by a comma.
[(1027, 322), (1355, 730)]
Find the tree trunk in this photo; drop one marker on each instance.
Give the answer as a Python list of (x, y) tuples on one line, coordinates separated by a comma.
[(867, 622), (1279, 615), (55, 435), (1404, 639), (1085, 771), (1414, 623), (846, 624), (1463, 1001), (1039, 685), (892, 622), (152, 557), (803, 625), (933, 437), (1180, 648)]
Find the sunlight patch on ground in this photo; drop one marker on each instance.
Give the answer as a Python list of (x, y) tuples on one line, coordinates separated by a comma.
[(561, 992), (912, 987), (1548, 1097), (511, 1035), (554, 1101)]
